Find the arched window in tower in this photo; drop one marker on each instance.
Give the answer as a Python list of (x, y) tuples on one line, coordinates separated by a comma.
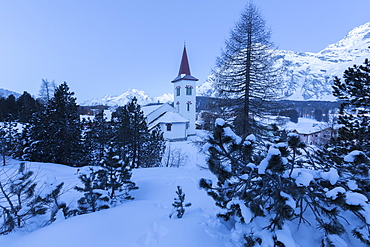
[(178, 88), (178, 106), (188, 105), (189, 89)]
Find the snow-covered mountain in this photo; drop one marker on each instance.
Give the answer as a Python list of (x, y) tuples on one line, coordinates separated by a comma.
[(142, 98), (4, 93), (309, 76)]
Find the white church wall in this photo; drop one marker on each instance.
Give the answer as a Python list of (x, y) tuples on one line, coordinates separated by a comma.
[(177, 131)]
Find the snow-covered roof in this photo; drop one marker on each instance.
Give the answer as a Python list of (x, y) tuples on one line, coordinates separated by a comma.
[(307, 126), (149, 109), (170, 117)]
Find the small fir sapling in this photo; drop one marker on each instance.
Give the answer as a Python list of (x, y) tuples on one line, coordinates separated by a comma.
[(21, 200), (94, 198), (51, 193), (178, 204)]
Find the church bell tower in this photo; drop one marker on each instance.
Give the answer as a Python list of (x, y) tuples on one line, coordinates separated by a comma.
[(184, 93)]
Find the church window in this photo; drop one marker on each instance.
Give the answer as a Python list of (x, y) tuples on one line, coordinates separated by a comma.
[(189, 89), (178, 90), (188, 105), (169, 126)]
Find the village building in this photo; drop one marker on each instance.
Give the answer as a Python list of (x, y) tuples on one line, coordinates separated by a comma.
[(311, 131), (317, 138), (176, 122)]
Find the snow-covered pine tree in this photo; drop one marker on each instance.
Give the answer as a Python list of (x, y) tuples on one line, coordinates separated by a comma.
[(95, 197), (354, 116), (349, 150), (98, 134), (153, 148), (38, 141), (51, 194), (266, 197), (20, 200), (65, 126), (10, 138), (118, 176), (56, 131), (179, 204), (26, 106), (132, 137)]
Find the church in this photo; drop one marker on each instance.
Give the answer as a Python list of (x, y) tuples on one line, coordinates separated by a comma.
[(178, 121)]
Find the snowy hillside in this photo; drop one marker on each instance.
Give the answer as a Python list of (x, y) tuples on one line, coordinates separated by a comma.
[(4, 93), (142, 222), (145, 220), (309, 76)]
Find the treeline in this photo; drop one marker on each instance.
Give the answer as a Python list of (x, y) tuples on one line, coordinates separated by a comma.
[(51, 131), (18, 109), (211, 108)]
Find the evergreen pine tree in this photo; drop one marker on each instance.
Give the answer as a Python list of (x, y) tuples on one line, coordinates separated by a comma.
[(20, 200), (56, 131), (354, 111), (10, 139), (26, 106), (132, 137), (39, 139), (53, 198), (179, 204), (10, 109), (95, 197), (98, 136), (260, 191), (246, 75), (118, 176), (153, 149)]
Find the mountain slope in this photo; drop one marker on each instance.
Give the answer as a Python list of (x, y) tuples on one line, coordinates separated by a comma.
[(142, 98), (309, 76), (4, 93)]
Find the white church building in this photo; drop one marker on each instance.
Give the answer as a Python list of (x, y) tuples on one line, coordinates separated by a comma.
[(177, 122)]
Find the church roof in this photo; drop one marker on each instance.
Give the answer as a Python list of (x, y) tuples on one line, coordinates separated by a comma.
[(184, 72)]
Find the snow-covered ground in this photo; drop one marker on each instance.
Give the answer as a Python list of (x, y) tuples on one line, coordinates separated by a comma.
[(142, 222), (145, 220)]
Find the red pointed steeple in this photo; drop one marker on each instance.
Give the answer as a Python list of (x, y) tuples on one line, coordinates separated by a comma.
[(184, 72), (184, 66)]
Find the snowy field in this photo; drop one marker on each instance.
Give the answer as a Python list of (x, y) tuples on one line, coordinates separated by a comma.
[(142, 222), (145, 220)]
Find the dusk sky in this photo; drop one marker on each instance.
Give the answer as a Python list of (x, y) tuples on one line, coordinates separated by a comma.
[(105, 47)]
